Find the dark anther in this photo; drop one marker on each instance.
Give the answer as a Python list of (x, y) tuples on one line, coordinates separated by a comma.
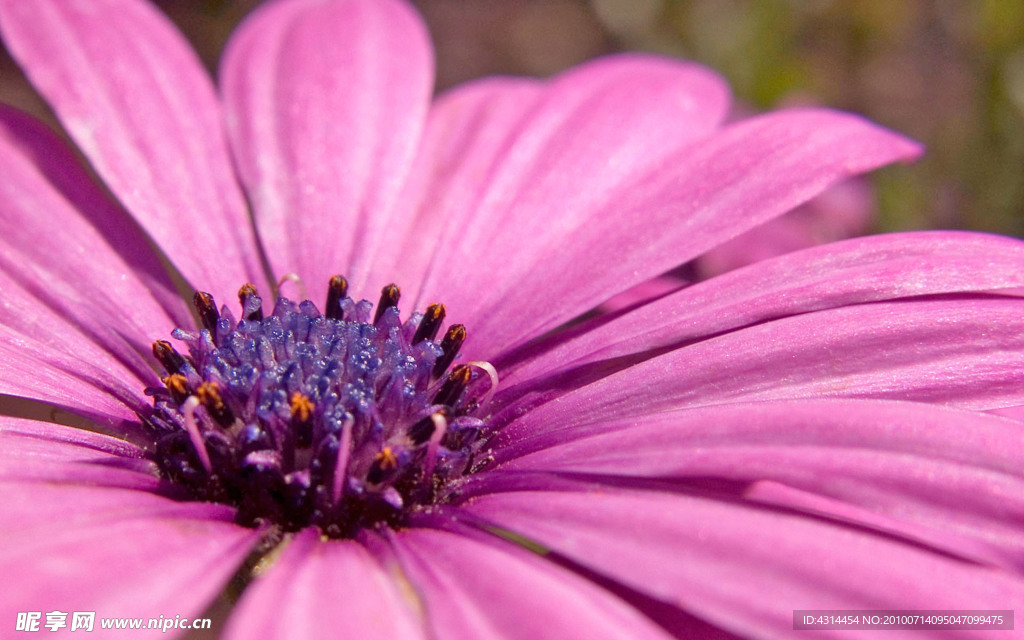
[(452, 388), (207, 309), (388, 298), (252, 304), (383, 463), (177, 384), (302, 419), (169, 359), (422, 430), (337, 289), (209, 394), (430, 323), (450, 345)]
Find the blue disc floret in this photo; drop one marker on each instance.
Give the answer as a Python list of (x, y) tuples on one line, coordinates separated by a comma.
[(342, 420)]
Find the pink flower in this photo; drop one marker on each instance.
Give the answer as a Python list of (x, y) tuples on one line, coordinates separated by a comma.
[(806, 432)]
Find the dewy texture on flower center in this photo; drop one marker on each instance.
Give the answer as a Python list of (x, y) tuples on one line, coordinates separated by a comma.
[(342, 419)]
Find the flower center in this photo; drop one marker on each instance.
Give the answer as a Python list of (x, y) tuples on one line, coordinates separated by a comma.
[(342, 420)]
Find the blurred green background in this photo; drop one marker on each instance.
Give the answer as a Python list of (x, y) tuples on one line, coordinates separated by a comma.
[(949, 73)]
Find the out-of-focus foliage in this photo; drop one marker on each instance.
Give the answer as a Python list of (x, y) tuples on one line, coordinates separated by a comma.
[(950, 73)]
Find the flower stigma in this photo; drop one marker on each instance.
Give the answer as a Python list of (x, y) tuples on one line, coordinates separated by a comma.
[(342, 420)]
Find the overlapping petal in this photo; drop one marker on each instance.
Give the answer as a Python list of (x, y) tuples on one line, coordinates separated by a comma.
[(874, 268), (58, 221), (51, 453), (49, 360), (640, 227), (139, 104), (763, 563), (888, 459), (84, 541), (455, 577), (468, 130), (318, 589), (71, 256), (325, 102), (554, 154), (965, 352)]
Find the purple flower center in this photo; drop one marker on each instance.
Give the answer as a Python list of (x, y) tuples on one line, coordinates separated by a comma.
[(342, 420)]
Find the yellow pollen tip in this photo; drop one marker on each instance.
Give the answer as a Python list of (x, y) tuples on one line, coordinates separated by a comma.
[(209, 395), (176, 383), (302, 407), (387, 458)]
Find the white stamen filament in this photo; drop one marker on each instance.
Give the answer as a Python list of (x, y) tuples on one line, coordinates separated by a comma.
[(294, 277), (340, 469), (440, 427), (491, 372), (188, 410)]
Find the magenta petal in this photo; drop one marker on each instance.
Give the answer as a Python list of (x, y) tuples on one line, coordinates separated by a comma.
[(320, 589), (742, 566), (962, 352), (48, 357), (88, 544), (560, 159), (844, 211), (465, 599), (468, 131), (60, 366), (56, 221), (1015, 412), (703, 195), (52, 453), (862, 270), (135, 98), (82, 531), (70, 258), (325, 103), (53, 438), (949, 478), (140, 567)]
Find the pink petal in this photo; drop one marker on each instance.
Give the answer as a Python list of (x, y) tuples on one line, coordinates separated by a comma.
[(69, 255), (135, 98), (1015, 412), (639, 226), (540, 166), (464, 598), (54, 438), (55, 217), (467, 133), (52, 453), (82, 532), (325, 103), (741, 566), (844, 211), (962, 352), (139, 562), (641, 294), (320, 589), (867, 269), (948, 478), (60, 366), (47, 357)]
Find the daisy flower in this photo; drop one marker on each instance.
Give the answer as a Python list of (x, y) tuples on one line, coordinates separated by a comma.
[(470, 453)]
